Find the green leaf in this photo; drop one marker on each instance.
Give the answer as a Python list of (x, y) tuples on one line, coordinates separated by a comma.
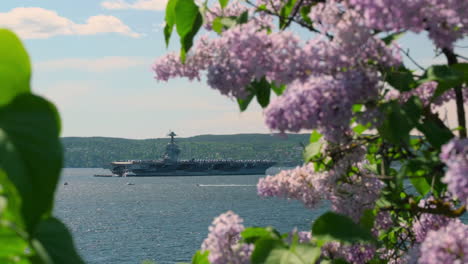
[(188, 21), (446, 77), (359, 129), (401, 78), (335, 227), (435, 131), (367, 219), (252, 234), (56, 239), (262, 90), (15, 68), (315, 136), (312, 150), (13, 245), (285, 12), (421, 185), (263, 248), (200, 257), (298, 254), (305, 11), (399, 120), (170, 20), (244, 103), (223, 3), (278, 89), (31, 153), (392, 37), (462, 69), (217, 25), (243, 18), (13, 201)]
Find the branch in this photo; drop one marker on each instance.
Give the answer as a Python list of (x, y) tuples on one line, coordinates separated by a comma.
[(406, 52), (452, 59), (305, 25)]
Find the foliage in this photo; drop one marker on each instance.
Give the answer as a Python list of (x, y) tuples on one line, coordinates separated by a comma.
[(347, 78), (30, 165)]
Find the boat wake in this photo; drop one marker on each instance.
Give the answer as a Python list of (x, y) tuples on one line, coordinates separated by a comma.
[(225, 185)]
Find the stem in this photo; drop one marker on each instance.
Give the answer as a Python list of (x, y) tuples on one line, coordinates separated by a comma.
[(452, 59)]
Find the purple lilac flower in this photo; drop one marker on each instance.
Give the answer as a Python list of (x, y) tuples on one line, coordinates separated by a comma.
[(427, 222), (352, 198), (445, 20), (301, 183), (446, 245), (354, 254), (322, 103), (222, 241), (455, 155)]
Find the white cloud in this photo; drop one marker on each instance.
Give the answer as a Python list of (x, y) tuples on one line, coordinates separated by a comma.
[(39, 23), (104, 64), (140, 4)]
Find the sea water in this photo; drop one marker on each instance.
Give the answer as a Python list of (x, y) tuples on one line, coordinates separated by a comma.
[(165, 219)]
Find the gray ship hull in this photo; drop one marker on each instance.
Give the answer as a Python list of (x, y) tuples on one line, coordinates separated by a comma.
[(189, 168), (170, 165)]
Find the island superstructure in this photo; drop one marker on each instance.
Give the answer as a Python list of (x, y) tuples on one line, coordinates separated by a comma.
[(171, 165)]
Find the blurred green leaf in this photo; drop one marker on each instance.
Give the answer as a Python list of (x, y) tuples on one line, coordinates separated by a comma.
[(435, 130), (312, 150), (400, 119), (421, 185), (244, 103), (335, 227), (252, 234), (263, 248), (217, 25), (223, 3), (57, 240), (278, 89), (263, 90), (315, 136), (170, 20), (305, 11), (368, 219), (392, 37), (31, 153), (15, 68), (243, 18), (446, 77), (285, 12), (200, 258), (400, 78), (188, 21)]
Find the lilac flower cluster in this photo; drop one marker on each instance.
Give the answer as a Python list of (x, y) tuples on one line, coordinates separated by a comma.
[(383, 221), (354, 254), (355, 195), (427, 222), (301, 183), (302, 236), (322, 103), (222, 241), (449, 244), (233, 8), (455, 155), (348, 195), (445, 20)]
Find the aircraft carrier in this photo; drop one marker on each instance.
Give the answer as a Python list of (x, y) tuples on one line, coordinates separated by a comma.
[(171, 165)]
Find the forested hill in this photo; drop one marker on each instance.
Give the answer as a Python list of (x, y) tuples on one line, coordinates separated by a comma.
[(97, 152)]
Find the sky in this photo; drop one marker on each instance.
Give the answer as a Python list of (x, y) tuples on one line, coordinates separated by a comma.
[(92, 58)]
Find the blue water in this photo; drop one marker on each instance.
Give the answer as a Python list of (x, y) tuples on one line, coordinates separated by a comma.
[(164, 219)]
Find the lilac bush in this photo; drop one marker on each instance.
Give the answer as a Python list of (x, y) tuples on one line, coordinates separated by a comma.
[(375, 121)]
